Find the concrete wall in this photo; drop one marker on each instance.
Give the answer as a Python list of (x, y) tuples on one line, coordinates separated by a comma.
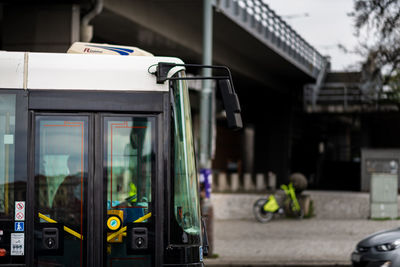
[(40, 28), (340, 205), (327, 205)]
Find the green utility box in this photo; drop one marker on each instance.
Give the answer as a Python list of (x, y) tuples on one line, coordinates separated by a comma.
[(384, 195)]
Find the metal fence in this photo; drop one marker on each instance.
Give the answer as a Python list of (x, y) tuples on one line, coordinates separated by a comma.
[(346, 97)]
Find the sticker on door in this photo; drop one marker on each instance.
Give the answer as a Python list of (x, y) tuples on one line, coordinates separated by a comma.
[(17, 244), (20, 210)]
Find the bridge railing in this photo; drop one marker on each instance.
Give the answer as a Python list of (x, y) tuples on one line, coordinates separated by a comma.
[(257, 18), (341, 97)]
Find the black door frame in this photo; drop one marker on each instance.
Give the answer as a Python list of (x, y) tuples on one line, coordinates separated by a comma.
[(95, 104), (100, 181), (21, 140), (31, 178)]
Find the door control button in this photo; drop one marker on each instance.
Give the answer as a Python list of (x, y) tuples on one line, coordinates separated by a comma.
[(139, 238), (139, 242), (114, 223), (50, 242), (50, 237)]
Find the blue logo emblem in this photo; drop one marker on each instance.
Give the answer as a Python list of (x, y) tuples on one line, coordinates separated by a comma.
[(19, 226), (119, 50)]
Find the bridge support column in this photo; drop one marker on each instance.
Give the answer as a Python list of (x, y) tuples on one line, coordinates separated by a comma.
[(248, 150)]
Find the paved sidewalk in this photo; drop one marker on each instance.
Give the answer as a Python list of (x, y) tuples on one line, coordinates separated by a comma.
[(289, 242)]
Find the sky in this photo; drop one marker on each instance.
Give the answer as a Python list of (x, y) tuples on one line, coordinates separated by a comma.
[(326, 26)]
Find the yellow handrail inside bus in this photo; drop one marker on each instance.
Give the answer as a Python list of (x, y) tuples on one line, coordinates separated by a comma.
[(66, 229), (123, 229)]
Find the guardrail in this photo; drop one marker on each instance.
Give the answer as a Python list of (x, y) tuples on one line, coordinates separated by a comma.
[(262, 22), (345, 97)]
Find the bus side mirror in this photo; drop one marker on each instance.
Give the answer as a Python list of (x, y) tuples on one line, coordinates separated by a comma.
[(231, 104)]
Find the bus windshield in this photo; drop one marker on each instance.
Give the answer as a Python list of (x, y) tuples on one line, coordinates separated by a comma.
[(186, 195)]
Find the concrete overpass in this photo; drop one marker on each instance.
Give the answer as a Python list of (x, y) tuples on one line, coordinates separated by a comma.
[(260, 45), (270, 61)]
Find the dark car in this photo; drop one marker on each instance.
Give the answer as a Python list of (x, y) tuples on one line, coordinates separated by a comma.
[(380, 249)]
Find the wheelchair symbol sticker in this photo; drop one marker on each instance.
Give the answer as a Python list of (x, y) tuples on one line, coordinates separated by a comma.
[(19, 226)]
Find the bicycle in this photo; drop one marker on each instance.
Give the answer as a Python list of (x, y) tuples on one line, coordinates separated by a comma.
[(265, 208)]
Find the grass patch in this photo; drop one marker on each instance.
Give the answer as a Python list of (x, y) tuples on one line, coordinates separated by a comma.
[(385, 219), (310, 213), (213, 256)]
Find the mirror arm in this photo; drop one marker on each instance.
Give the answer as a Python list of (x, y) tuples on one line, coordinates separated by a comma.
[(225, 84), (163, 69)]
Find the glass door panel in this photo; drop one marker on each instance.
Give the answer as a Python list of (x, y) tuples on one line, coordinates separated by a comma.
[(129, 170), (61, 172), (12, 177), (7, 154)]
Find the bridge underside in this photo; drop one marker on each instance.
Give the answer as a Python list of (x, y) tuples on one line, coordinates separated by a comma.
[(166, 28)]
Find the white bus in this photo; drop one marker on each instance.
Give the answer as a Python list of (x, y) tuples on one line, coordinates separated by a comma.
[(97, 163)]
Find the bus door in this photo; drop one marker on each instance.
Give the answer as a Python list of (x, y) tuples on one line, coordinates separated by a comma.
[(93, 189)]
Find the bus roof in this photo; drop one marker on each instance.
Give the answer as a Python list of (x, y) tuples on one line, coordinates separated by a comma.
[(51, 71)]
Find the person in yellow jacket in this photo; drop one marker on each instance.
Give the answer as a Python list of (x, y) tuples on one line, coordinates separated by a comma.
[(132, 198)]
